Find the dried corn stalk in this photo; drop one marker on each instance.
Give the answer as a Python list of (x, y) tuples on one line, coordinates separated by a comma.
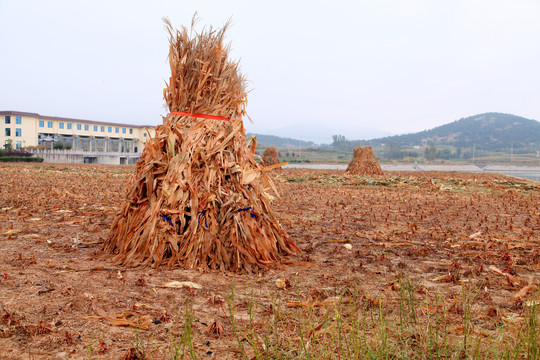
[(270, 156), (364, 162), (198, 199)]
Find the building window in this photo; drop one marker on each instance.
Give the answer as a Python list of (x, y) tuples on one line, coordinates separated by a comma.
[(8, 131), (131, 131), (109, 129), (116, 130), (95, 127), (144, 134), (123, 130), (102, 128), (18, 145), (8, 119), (61, 125), (49, 124), (79, 127), (18, 120), (86, 127), (69, 126), (41, 123), (18, 132)]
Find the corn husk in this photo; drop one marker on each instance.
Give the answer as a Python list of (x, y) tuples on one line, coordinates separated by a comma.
[(198, 199)]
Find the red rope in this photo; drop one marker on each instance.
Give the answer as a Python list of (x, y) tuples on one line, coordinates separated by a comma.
[(204, 116)]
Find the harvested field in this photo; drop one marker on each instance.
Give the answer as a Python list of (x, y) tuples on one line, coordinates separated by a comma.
[(404, 265)]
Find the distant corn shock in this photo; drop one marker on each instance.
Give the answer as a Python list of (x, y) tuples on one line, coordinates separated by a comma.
[(364, 162)]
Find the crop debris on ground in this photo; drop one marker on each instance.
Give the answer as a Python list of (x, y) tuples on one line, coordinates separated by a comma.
[(404, 265)]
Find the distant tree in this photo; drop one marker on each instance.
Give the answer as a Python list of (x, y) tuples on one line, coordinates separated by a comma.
[(444, 154), (467, 154), (342, 144), (412, 154), (61, 145), (336, 139), (393, 151), (430, 153)]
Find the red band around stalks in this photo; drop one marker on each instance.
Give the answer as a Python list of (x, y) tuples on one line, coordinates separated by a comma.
[(204, 116)]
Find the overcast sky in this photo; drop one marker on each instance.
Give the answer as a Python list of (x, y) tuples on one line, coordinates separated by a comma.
[(343, 66)]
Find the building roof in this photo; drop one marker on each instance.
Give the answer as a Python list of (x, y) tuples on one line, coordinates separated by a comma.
[(45, 117)]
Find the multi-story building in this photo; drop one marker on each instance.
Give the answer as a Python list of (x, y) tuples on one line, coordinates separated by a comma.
[(30, 130)]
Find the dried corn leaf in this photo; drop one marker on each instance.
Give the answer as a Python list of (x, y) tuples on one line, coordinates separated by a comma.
[(142, 322), (180, 284)]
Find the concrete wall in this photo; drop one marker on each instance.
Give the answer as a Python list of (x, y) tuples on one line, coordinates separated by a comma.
[(81, 157)]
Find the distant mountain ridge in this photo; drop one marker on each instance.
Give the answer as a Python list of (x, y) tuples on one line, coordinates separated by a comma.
[(281, 142), (488, 131), (319, 133)]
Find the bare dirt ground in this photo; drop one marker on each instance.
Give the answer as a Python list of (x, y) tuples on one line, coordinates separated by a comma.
[(62, 298)]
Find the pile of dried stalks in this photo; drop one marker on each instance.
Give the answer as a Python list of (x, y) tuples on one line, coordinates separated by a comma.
[(364, 162), (198, 199), (270, 157)]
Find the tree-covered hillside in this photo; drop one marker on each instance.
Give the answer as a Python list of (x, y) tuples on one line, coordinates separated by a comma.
[(489, 131)]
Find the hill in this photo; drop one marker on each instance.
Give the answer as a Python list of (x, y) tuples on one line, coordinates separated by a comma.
[(489, 131), (281, 142), (322, 133)]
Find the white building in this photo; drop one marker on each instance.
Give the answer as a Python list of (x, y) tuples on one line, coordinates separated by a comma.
[(88, 141), (30, 130)]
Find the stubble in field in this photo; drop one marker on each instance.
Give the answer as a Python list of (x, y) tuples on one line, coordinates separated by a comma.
[(405, 265)]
